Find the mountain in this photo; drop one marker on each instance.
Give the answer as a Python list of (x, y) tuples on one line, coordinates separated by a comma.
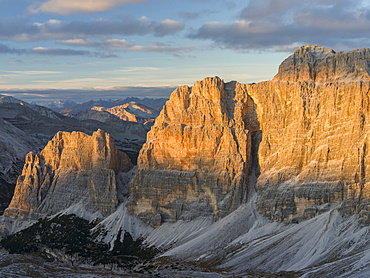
[(95, 115), (321, 64), (56, 105), (311, 139), (41, 124), (154, 103), (26, 127), (73, 168), (132, 111), (266, 179), (314, 145), (307, 151), (197, 159), (14, 145)]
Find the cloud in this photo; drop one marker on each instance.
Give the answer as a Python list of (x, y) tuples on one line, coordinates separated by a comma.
[(107, 44), (66, 7), (59, 51), (70, 52), (106, 47), (162, 48), (4, 49), (33, 72), (168, 26), (123, 45), (90, 93), (23, 30), (194, 15), (284, 24)]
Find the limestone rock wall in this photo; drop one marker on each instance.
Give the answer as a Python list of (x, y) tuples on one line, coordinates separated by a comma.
[(197, 159), (304, 134), (72, 168), (314, 147), (322, 64)]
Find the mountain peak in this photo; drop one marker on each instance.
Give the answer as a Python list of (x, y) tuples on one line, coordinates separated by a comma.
[(314, 63), (309, 48), (73, 167), (9, 99)]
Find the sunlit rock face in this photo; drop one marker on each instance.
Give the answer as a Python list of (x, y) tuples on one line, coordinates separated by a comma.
[(312, 63), (308, 125), (315, 144), (198, 157), (132, 111), (72, 168)]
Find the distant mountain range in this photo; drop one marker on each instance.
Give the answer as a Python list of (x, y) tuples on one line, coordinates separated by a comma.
[(67, 107), (28, 127), (55, 105)]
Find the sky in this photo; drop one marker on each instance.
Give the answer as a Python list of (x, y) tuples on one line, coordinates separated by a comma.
[(91, 49)]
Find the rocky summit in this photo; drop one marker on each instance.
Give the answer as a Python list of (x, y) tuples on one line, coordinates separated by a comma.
[(198, 157), (321, 64), (132, 111), (72, 168), (314, 147)]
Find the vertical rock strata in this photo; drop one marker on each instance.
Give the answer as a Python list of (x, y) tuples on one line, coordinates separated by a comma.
[(72, 168), (198, 156), (315, 144), (313, 63)]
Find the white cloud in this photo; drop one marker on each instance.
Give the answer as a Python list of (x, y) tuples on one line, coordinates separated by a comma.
[(117, 43), (66, 7), (66, 89), (169, 26), (162, 48), (107, 44), (123, 45), (23, 30)]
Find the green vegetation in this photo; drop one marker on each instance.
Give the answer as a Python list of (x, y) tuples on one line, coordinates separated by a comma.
[(72, 235)]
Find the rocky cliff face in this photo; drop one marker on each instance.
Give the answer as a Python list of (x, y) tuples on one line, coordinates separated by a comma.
[(314, 148), (198, 158), (14, 145), (308, 126), (101, 116), (321, 64), (72, 168)]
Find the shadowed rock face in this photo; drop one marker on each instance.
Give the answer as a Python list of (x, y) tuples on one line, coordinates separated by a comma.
[(72, 168), (198, 158), (14, 145)]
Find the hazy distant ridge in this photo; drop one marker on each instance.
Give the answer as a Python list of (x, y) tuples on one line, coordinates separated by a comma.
[(72, 108)]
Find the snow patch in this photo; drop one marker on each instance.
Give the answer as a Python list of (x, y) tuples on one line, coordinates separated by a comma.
[(121, 219)]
